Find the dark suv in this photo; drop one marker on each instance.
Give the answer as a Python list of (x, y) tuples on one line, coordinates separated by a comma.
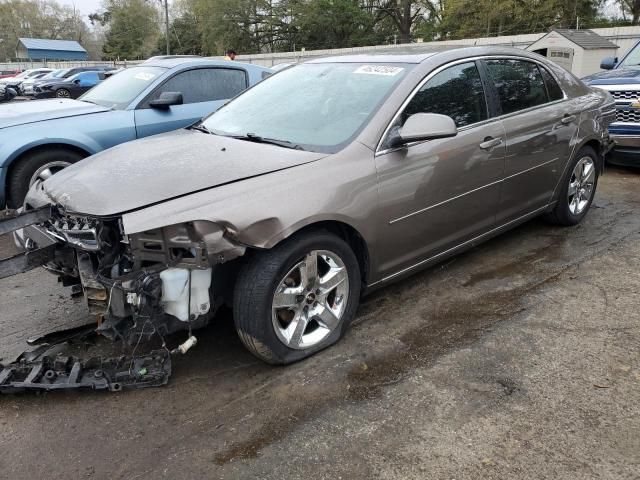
[(621, 78)]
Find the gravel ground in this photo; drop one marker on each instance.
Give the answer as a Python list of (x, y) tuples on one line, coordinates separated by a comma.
[(518, 359)]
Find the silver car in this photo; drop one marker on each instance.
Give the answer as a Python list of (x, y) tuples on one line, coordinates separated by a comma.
[(328, 180)]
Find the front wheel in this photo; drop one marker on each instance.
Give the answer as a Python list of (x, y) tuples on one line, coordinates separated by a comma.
[(577, 189), (297, 298), (36, 167), (63, 93)]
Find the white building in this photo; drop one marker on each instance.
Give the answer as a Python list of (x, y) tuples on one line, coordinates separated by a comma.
[(579, 51)]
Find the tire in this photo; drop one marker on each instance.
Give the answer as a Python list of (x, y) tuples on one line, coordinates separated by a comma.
[(63, 93), (262, 326), (572, 208), (34, 165)]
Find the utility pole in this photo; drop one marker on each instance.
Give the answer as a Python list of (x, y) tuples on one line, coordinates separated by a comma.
[(166, 22)]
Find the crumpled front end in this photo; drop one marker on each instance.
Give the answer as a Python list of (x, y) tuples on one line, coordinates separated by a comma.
[(140, 285)]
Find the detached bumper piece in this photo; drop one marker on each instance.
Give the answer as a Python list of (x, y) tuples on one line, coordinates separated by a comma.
[(68, 372)]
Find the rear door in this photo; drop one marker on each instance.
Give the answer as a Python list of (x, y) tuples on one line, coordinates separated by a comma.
[(540, 123), (204, 90), (437, 194)]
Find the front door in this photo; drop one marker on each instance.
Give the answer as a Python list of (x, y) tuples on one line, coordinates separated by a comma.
[(204, 90), (437, 194)]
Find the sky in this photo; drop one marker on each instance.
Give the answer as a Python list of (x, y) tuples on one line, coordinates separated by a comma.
[(85, 6)]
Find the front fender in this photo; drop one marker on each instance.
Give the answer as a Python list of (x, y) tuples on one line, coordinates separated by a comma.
[(262, 211)]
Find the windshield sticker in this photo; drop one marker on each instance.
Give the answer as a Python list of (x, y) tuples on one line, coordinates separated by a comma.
[(144, 76), (379, 70)]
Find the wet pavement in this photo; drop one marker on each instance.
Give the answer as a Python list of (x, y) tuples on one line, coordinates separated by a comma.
[(518, 359)]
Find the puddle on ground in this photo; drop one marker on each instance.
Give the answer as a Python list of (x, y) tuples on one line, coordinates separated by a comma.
[(457, 326)]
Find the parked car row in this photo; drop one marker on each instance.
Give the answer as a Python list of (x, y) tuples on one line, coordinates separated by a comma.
[(328, 179), (30, 82), (15, 81)]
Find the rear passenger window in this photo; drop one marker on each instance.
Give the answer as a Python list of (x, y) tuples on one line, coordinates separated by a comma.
[(519, 84), (553, 89), (205, 84), (456, 92)]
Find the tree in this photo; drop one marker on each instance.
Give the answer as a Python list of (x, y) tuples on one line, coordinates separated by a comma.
[(38, 19), (133, 28), (632, 8), (405, 14), (475, 18), (184, 36)]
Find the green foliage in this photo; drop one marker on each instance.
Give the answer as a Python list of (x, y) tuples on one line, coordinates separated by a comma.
[(135, 28), (184, 37), (132, 29), (475, 18)]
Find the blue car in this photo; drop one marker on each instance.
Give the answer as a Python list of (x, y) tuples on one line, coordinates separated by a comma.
[(38, 138), (621, 78)]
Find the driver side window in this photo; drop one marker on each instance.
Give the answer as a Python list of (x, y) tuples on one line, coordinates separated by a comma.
[(204, 85), (456, 92)]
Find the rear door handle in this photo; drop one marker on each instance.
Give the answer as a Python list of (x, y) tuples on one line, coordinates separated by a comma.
[(567, 119), (490, 142)]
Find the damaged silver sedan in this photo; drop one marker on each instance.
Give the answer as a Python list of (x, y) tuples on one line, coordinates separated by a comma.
[(331, 178)]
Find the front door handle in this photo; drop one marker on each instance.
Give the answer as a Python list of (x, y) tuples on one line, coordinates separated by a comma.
[(567, 119), (490, 142)]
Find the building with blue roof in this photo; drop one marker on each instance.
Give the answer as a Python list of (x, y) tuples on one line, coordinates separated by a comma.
[(38, 49)]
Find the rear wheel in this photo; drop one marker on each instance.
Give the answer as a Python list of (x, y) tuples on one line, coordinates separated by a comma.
[(577, 189), (297, 298), (35, 167)]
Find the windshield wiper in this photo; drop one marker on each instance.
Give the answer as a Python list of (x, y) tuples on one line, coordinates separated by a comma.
[(252, 137), (201, 128)]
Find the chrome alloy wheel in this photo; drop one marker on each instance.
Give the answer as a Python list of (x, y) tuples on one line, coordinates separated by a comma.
[(47, 170), (311, 299), (581, 185), (62, 93)]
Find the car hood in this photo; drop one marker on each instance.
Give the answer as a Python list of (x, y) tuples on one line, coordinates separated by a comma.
[(618, 76), (160, 168), (21, 113)]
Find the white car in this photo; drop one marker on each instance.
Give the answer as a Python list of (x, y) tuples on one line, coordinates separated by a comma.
[(15, 82), (26, 87)]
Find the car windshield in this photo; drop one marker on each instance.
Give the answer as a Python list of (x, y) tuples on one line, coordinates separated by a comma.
[(319, 107), (632, 59), (120, 90), (55, 74)]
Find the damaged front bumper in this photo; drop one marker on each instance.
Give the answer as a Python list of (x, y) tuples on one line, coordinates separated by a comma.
[(149, 284), (62, 372)]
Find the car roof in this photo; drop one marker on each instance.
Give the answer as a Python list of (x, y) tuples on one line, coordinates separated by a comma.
[(376, 57), (195, 61), (400, 57)]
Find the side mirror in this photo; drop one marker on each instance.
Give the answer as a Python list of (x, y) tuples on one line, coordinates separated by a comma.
[(608, 63), (166, 100), (77, 81), (424, 126)]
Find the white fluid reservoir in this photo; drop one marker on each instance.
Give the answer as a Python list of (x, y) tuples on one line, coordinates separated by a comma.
[(175, 292)]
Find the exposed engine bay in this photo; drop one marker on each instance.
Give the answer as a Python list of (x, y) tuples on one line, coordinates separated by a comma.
[(137, 287)]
